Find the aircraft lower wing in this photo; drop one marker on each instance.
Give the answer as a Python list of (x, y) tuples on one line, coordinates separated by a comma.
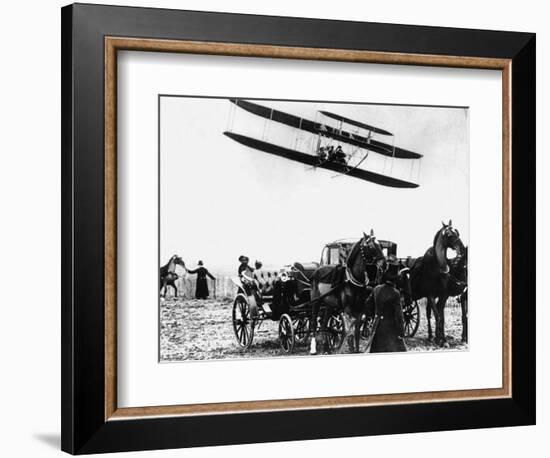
[(309, 159)]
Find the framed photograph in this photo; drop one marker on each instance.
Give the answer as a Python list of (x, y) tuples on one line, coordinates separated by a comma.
[(285, 228)]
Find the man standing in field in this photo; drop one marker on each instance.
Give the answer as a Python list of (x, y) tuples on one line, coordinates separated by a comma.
[(384, 303), (201, 291)]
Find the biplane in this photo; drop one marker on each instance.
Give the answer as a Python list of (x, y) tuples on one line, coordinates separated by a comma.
[(323, 153)]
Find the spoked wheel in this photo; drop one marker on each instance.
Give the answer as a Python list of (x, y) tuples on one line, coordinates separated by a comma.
[(243, 324), (301, 329), (336, 331), (286, 333), (411, 315)]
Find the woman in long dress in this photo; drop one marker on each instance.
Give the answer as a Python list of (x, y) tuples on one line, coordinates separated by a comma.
[(201, 291)]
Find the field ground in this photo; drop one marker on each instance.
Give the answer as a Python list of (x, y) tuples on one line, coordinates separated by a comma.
[(199, 330)]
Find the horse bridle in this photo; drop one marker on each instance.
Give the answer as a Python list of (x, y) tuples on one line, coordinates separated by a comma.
[(452, 237), (366, 262)]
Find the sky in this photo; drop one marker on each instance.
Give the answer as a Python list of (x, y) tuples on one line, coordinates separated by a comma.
[(220, 199)]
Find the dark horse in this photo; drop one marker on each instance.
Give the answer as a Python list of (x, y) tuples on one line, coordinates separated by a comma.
[(431, 278), (458, 287), (168, 275), (365, 264)]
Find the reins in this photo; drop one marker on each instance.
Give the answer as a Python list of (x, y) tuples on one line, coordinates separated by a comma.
[(305, 280)]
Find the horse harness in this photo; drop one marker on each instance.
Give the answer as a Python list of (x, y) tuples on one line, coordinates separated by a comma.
[(349, 274)]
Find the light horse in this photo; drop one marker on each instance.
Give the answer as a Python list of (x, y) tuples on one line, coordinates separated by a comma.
[(431, 278), (168, 275), (365, 263)]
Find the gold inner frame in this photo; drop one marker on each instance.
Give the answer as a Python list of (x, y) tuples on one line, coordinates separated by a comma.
[(114, 44)]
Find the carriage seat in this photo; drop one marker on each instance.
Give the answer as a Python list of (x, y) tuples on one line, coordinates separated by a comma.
[(265, 280), (306, 268)]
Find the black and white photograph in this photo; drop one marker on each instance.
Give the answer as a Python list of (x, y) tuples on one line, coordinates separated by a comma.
[(311, 228), (274, 229)]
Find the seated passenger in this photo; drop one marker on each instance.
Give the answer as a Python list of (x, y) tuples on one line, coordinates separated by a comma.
[(339, 155), (244, 267), (246, 274)]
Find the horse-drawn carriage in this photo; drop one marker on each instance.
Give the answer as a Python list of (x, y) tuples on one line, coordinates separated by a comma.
[(285, 296)]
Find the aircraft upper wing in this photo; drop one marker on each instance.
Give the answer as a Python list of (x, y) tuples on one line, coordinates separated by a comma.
[(323, 129), (352, 122)]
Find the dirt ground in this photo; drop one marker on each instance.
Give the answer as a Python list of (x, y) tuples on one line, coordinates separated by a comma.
[(199, 330)]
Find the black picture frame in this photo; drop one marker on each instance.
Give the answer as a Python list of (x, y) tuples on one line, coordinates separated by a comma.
[(84, 427)]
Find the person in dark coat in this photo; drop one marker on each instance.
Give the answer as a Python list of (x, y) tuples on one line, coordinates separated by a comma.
[(202, 285), (243, 266), (385, 304)]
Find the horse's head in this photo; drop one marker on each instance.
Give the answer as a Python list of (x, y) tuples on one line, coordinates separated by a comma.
[(371, 250), (449, 237), (178, 261), (366, 260)]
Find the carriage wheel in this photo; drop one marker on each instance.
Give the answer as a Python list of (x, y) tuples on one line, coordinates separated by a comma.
[(301, 329), (336, 331), (286, 333), (411, 315), (243, 324)]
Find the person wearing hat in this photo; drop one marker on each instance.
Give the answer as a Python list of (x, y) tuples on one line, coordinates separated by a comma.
[(244, 264), (201, 292), (246, 273), (245, 269), (384, 303)]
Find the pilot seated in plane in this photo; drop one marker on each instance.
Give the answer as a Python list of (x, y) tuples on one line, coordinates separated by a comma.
[(322, 153), (339, 155)]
